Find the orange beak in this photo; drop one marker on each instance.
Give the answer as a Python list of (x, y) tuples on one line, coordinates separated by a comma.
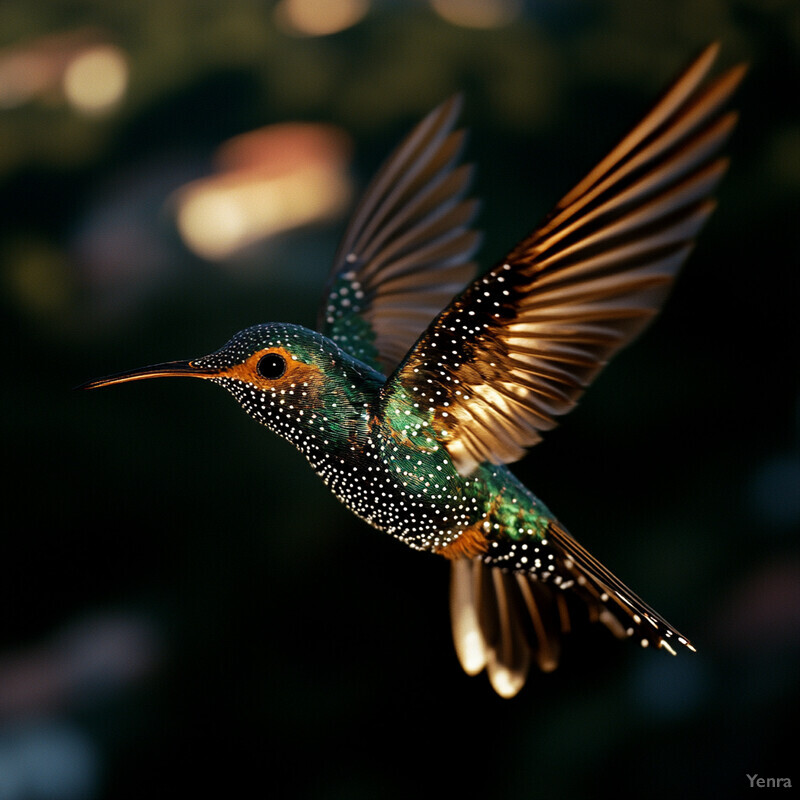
[(169, 369)]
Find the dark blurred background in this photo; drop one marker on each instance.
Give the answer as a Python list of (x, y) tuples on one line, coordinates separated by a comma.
[(184, 605)]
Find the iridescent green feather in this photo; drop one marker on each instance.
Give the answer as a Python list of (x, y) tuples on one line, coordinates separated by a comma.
[(345, 325)]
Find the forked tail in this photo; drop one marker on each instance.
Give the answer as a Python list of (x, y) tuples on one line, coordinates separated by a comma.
[(503, 620)]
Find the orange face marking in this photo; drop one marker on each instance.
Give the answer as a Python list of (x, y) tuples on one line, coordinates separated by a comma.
[(297, 373)]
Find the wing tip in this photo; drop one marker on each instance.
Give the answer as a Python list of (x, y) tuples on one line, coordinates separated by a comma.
[(710, 52)]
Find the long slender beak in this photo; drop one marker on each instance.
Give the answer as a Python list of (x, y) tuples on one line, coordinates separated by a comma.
[(169, 369)]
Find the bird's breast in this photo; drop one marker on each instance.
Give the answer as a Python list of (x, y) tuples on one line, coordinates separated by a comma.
[(414, 496)]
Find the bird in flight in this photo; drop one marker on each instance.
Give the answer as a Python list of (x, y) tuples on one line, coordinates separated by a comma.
[(423, 381)]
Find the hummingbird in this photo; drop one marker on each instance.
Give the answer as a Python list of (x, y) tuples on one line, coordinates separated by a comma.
[(423, 382)]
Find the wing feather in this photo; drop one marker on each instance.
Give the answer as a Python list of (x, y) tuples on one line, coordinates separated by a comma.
[(520, 344), (407, 248)]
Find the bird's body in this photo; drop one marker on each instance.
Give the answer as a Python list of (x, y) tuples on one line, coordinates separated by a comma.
[(394, 478), (409, 413), (379, 456)]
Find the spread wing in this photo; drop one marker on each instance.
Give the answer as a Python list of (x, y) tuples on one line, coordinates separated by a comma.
[(518, 347), (407, 249)]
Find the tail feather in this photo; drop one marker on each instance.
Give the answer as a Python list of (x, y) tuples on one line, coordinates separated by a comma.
[(503, 620), (614, 597)]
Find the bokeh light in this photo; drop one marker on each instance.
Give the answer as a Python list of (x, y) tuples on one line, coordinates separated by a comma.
[(271, 181), (79, 64), (95, 81), (478, 13), (319, 17), (23, 76)]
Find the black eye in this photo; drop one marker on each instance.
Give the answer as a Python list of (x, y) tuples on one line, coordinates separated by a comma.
[(271, 366)]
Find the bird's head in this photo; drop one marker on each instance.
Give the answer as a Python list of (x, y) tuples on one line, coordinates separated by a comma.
[(289, 378)]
